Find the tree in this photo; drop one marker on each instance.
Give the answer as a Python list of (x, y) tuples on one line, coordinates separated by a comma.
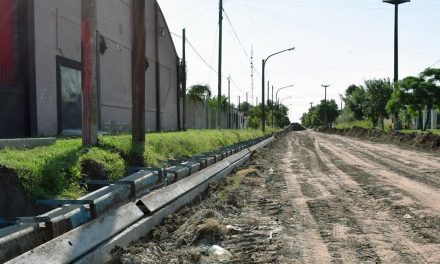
[(245, 107), (420, 93), (431, 90), (213, 102), (198, 92), (311, 118), (378, 94), (331, 107), (410, 94), (254, 122), (355, 100)]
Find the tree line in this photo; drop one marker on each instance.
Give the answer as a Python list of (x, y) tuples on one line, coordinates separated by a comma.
[(379, 99), (254, 114)]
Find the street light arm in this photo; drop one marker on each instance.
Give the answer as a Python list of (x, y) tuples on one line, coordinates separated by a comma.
[(276, 95), (278, 53), (285, 99)]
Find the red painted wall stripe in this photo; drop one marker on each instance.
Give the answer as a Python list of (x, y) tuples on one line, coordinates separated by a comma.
[(6, 39)]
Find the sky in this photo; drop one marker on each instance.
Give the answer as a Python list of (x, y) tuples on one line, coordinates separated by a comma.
[(337, 42)]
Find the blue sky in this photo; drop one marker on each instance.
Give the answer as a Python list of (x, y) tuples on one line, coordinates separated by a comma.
[(338, 42)]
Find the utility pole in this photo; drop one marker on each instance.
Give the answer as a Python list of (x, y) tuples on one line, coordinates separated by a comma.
[(184, 76), (219, 94), (311, 105), (325, 104), (229, 102), (89, 76), (396, 4), (138, 80), (272, 105), (263, 121), (247, 97), (268, 93), (252, 77), (157, 68), (239, 103), (257, 101)]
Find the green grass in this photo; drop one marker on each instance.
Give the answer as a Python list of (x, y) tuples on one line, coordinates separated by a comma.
[(46, 171), (171, 145), (57, 170), (408, 131), (362, 123)]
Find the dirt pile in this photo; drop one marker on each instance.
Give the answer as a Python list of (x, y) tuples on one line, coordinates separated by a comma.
[(296, 127), (424, 141)]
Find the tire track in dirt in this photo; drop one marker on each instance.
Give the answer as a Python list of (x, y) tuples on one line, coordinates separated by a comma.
[(379, 202), (401, 155), (306, 198), (306, 240), (425, 194), (341, 233), (406, 167)]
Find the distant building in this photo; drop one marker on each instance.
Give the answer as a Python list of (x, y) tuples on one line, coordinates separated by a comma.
[(40, 67)]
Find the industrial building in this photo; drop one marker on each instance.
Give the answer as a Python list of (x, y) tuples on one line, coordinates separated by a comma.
[(40, 68)]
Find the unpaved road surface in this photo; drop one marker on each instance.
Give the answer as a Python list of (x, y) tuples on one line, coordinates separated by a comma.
[(311, 198)]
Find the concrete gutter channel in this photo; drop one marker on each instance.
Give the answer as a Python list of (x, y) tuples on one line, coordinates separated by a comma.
[(122, 212)]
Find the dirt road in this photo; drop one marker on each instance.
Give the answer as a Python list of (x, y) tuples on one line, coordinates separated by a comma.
[(311, 198)]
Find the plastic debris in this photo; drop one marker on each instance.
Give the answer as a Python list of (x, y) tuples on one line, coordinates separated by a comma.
[(231, 228), (218, 253), (270, 171), (407, 216)]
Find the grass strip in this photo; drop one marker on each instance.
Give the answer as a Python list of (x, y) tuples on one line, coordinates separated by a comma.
[(56, 171)]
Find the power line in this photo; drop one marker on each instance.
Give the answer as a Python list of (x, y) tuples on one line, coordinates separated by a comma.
[(206, 63), (435, 63), (238, 39)]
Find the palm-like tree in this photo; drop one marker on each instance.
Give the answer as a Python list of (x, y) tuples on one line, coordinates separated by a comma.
[(198, 92)]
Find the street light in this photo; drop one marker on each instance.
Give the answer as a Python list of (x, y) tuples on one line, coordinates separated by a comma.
[(280, 101), (396, 4), (276, 99), (276, 95), (285, 98), (325, 104), (262, 87)]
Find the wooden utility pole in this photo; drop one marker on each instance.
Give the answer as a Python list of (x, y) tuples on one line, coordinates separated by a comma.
[(229, 102), (138, 67), (184, 76), (88, 73), (157, 68), (219, 93)]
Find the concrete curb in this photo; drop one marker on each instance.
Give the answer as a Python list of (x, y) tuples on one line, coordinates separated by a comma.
[(22, 143), (19, 239), (195, 185)]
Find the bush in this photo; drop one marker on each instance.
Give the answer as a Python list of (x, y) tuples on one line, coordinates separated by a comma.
[(254, 122)]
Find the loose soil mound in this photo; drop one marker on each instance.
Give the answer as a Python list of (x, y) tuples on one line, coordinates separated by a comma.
[(424, 141), (13, 200), (296, 127)]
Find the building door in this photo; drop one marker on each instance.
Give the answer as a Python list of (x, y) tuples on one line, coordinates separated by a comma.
[(69, 96)]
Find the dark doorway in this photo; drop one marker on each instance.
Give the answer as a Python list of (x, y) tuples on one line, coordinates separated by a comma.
[(12, 111), (69, 96)]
